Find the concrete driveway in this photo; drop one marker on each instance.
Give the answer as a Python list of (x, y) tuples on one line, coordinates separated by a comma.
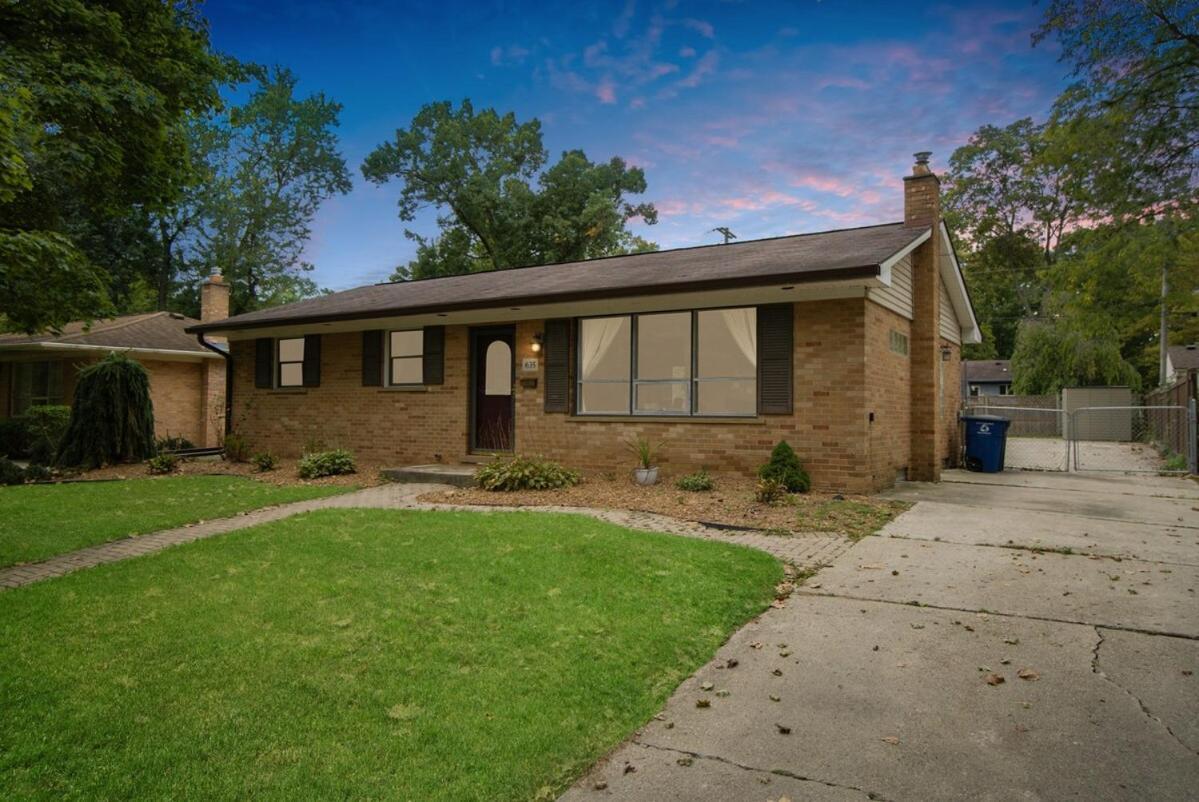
[(1020, 636)]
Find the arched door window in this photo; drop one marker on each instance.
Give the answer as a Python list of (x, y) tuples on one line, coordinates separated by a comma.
[(498, 372)]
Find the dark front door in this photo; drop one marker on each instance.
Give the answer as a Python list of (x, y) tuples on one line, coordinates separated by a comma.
[(492, 373)]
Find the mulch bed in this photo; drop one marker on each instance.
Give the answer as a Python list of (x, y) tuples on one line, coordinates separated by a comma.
[(731, 503), (284, 474)]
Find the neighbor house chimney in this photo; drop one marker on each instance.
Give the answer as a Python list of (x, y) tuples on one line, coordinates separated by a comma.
[(928, 427), (214, 299), (214, 413)]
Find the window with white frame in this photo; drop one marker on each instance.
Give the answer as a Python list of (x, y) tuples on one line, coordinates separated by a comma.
[(406, 356), (291, 362), (669, 363)]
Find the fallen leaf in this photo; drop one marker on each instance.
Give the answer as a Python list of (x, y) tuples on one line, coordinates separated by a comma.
[(684, 761), (629, 768), (778, 672), (891, 739), (732, 662), (601, 785), (703, 703), (722, 693), (774, 698), (1028, 674), (783, 730), (993, 679), (756, 645), (707, 686)]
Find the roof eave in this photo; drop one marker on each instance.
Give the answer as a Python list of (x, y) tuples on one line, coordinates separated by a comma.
[(798, 277)]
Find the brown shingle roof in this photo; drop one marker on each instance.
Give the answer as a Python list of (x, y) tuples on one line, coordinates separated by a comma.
[(988, 370), (156, 331), (846, 253), (1184, 357)]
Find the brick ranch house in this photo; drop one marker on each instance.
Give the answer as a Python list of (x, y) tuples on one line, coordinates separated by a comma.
[(844, 343), (187, 379)]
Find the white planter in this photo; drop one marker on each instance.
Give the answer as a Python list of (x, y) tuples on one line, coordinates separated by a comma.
[(646, 476)]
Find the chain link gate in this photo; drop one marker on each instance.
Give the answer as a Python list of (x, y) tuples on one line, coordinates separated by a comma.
[(1126, 439), (1133, 439), (1036, 438)]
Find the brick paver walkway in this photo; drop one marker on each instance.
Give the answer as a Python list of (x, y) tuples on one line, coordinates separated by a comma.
[(803, 550)]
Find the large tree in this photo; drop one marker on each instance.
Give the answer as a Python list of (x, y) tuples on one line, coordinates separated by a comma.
[(1133, 115), (268, 164), (500, 207), (1011, 208), (92, 100)]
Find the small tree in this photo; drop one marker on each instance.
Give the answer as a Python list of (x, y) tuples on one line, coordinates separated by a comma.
[(785, 468), (112, 418)]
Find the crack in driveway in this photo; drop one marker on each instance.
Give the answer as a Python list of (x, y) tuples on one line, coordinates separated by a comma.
[(872, 795), (1095, 669)]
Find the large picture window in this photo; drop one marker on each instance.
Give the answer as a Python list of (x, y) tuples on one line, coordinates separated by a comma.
[(36, 384), (669, 363), (406, 355), (291, 362)]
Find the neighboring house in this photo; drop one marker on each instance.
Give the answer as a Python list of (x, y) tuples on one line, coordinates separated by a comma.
[(1181, 360), (187, 380), (844, 343), (986, 377)]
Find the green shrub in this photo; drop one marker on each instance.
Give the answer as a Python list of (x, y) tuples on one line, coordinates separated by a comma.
[(46, 426), (38, 473), (265, 461), (326, 463), (162, 463), (14, 438), (173, 442), (237, 448), (770, 491), (11, 473), (112, 418), (698, 482), (524, 473), (785, 468)]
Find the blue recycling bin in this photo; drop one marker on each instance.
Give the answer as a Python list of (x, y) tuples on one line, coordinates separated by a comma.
[(986, 441)]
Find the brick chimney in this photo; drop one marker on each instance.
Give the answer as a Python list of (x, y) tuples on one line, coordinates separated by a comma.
[(214, 413), (922, 208), (214, 299)]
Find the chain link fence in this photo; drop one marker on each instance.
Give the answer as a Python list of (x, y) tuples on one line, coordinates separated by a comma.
[(1157, 439), (1035, 438)]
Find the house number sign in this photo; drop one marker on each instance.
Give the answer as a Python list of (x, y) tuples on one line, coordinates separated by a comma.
[(529, 365)]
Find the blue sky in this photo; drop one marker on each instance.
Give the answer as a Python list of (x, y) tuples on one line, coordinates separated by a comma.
[(768, 117)]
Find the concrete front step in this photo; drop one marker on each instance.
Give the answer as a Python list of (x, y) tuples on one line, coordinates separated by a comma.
[(457, 475)]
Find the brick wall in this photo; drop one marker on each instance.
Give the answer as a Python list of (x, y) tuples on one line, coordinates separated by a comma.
[(176, 390), (887, 376), (828, 429), (949, 436)]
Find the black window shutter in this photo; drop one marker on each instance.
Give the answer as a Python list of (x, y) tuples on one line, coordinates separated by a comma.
[(312, 360), (372, 358), (434, 355), (776, 356), (264, 362), (557, 365)]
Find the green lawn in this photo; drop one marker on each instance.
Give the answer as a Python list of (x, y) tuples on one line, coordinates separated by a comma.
[(360, 654), (39, 521)]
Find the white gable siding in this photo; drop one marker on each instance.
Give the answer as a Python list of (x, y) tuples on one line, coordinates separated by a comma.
[(897, 297), (950, 329)]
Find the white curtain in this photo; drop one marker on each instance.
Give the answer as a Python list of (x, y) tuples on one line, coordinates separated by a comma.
[(598, 336), (743, 326)]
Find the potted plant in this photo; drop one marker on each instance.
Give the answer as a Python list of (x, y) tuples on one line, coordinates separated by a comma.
[(646, 472)]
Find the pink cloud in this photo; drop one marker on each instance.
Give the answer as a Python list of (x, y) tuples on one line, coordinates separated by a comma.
[(703, 68), (637, 103), (687, 52), (606, 91)]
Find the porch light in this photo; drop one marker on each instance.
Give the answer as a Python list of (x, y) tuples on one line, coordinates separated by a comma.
[(537, 340)]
